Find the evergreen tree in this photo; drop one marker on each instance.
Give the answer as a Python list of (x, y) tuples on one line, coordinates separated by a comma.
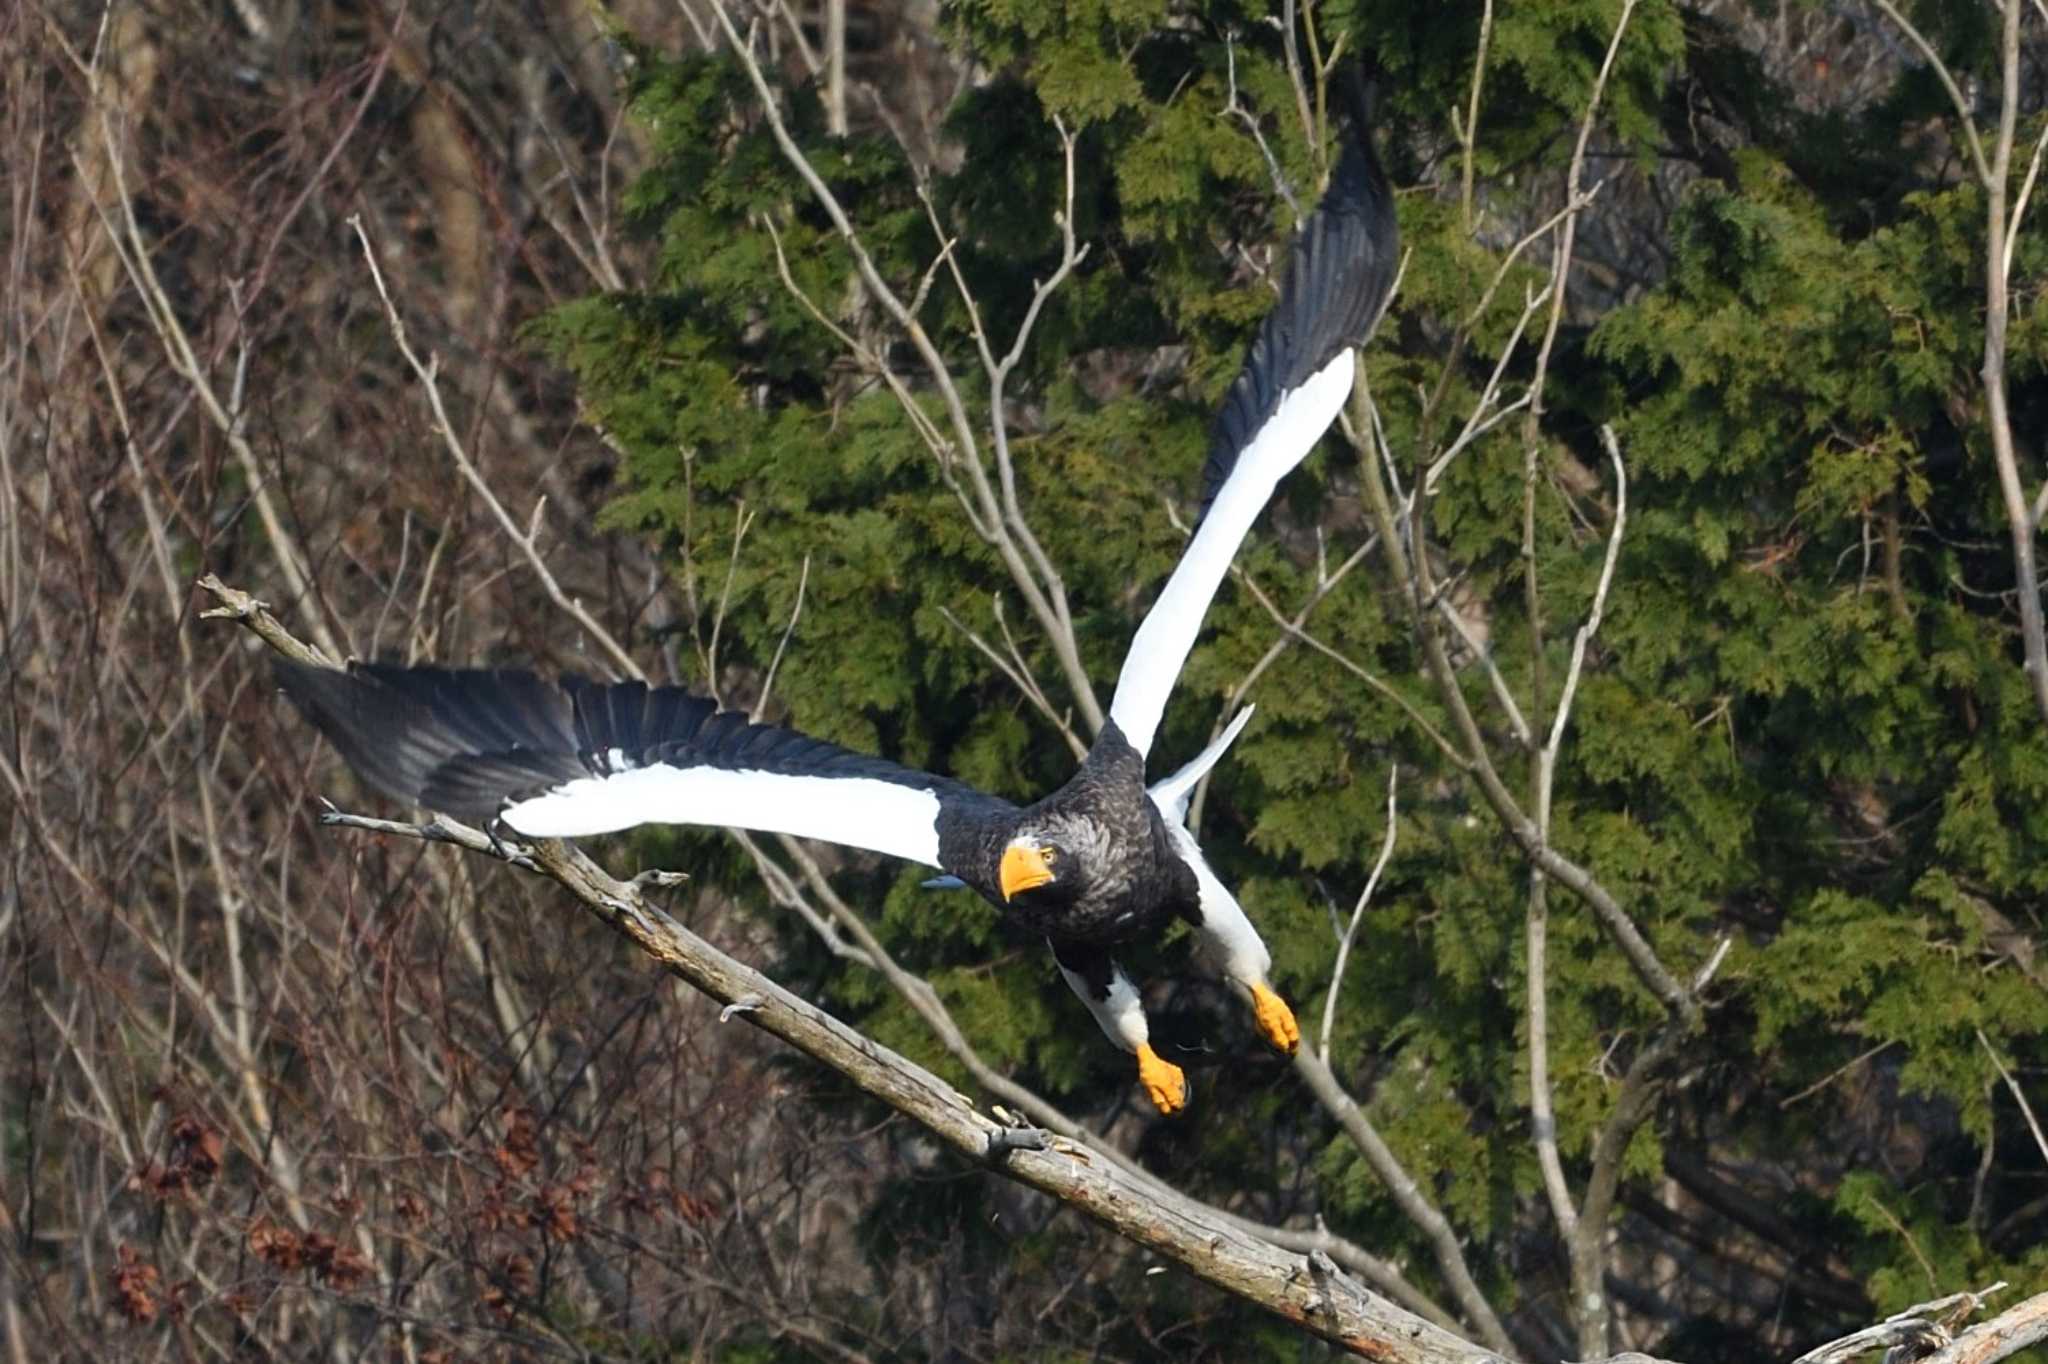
[(1802, 729)]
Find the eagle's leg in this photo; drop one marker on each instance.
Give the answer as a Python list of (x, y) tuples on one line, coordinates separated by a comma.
[(1232, 944), (1102, 985)]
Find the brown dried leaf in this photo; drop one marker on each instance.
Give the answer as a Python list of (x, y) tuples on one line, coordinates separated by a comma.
[(136, 1285), (558, 1213), (344, 1269), (278, 1247), (519, 1152)]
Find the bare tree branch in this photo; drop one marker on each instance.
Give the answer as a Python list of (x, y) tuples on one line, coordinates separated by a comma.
[(1357, 913), (2023, 520), (1044, 595), (1972, 142), (2033, 1123), (428, 372), (1407, 1194), (1467, 128)]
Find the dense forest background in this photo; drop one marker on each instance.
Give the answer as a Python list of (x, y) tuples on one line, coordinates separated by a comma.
[(1647, 799)]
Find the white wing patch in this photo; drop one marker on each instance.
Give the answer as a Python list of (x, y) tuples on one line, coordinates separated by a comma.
[(1172, 794), (1160, 648), (860, 812)]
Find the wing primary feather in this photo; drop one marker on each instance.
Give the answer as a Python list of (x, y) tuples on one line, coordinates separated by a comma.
[(404, 730), (590, 757)]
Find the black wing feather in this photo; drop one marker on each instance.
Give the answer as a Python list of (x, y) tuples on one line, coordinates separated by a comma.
[(469, 741), (1337, 280)]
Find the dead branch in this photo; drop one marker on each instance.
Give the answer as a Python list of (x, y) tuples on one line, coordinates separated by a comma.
[(1005, 532), (2001, 1337), (428, 372), (2001, 231), (1408, 1195), (1357, 913)]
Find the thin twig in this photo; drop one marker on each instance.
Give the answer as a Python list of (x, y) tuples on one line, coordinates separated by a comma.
[(1837, 1073), (1597, 611), (1502, 693), (2019, 203), (1363, 674), (1972, 143), (1295, 80), (428, 374), (1485, 416), (1542, 1104), (1251, 123), (1468, 127), (877, 364), (1290, 634), (1012, 667), (2033, 1123), (1071, 255), (796, 612), (742, 521), (1358, 913)]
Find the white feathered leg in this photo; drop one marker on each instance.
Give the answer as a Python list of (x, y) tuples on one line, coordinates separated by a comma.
[(1102, 984)]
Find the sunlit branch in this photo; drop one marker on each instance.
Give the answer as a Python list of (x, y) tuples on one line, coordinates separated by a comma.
[(1357, 913), (1043, 594), (526, 539)]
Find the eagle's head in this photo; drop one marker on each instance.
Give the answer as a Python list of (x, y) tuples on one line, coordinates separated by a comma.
[(1063, 859), (1036, 864)]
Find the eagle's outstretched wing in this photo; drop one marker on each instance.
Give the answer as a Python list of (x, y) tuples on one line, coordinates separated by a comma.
[(1294, 382), (580, 757)]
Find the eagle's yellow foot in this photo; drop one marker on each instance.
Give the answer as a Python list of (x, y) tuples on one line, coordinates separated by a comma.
[(1275, 1019), (1164, 1084)]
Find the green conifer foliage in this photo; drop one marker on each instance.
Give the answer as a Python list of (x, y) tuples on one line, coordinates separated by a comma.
[(1803, 725)]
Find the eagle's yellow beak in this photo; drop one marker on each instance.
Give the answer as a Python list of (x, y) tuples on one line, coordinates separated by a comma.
[(1022, 868)]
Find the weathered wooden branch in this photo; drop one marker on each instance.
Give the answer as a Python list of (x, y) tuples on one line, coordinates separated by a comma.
[(1926, 1332), (2001, 1337)]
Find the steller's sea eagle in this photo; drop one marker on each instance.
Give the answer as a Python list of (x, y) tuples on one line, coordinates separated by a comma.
[(1101, 861)]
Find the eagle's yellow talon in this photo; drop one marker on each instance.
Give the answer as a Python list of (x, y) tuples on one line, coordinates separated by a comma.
[(1164, 1084), (1275, 1019)]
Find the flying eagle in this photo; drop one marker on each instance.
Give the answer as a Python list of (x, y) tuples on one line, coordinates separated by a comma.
[(1099, 862)]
